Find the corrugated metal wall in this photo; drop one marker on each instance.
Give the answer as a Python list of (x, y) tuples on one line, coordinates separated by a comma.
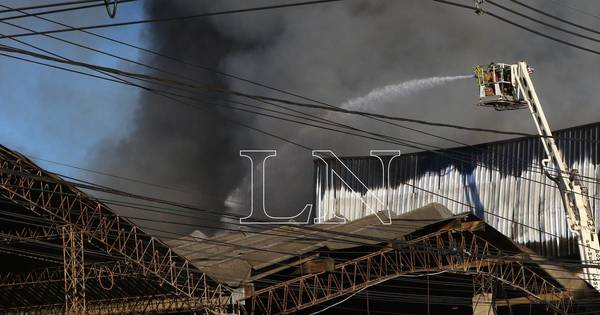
[(504, 185)]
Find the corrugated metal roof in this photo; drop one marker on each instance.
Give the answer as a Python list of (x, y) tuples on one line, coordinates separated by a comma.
[(244, 265), (231, 258), (505, 186)]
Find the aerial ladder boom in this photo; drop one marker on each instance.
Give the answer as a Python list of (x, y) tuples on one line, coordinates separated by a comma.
[(509, 86)]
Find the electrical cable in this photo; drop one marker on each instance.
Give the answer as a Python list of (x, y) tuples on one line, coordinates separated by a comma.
[(280, 118), (166, 19), (49, 5), (14, 17), (542, 22), (496, 215), (160, 70), (430, 192), (562, 3), (155, 68), (528, 29), (338, 303), (552, 16), (254, 97), (337, 109), (105, 189), (229, 75), (357, 292), (258, 130), (111, 12)]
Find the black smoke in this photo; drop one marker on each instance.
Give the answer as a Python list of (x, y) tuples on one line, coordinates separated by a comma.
[(332, 52), (192, 148)]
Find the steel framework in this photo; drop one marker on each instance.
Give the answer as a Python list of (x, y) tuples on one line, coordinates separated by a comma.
[(74, 271), (46, 195), (457, 251), (152, 304), (95, 271), (30, 233), (81, 219)]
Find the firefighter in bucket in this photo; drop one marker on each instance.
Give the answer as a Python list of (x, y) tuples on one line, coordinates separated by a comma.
[(497, 87)]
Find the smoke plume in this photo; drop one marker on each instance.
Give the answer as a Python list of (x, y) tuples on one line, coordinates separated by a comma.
[(330, 52)]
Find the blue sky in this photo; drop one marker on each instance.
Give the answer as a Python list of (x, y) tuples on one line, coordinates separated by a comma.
[(60, 116)]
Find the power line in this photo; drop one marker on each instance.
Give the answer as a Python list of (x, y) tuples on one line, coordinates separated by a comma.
[(228, 75), (310, 228), (169, 19), (93, 67), (50, 5), (14, 17), (338, 303), (505, 20), (119, 80), (254, 97), (76, 167), (120, 177), (171, 73), (215, 71), (563, 3), (167, 96), (175, 59), (190, 239), (112, 55), (441, 196), (266, 102), (555, 17), (338, 131), (105, 189), (267, 115), (542, 22), (184, 62), (249, 96)]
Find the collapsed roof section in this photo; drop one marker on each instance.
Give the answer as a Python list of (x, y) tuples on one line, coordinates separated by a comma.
[(240, 257)]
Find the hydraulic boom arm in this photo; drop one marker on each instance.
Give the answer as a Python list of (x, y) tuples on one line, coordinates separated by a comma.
[(503, 87)]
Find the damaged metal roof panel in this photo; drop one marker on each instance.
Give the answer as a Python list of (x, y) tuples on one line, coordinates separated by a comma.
[(232, 257), (501, 182)]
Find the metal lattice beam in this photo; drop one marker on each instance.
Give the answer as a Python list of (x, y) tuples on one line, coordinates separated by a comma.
[(103, 271), (30, 233), (457, 251), (22, 182), (154, 304), (74, 271)]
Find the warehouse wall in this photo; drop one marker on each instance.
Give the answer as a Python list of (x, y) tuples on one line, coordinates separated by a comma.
[(502, 182)]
